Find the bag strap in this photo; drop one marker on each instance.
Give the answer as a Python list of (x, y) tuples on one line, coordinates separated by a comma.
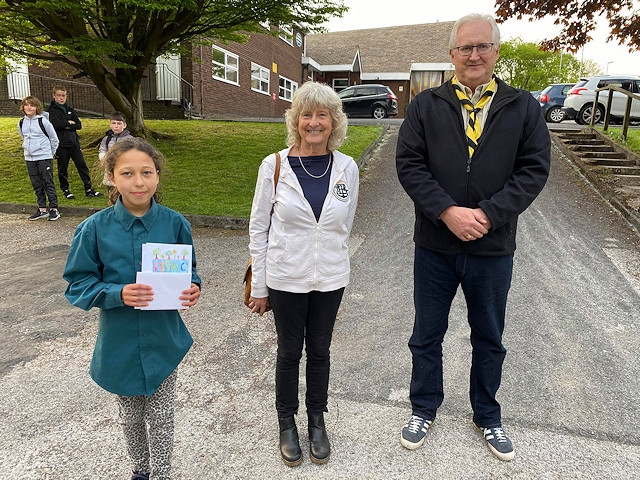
[(44, 130), (276, 177), (276, 174)]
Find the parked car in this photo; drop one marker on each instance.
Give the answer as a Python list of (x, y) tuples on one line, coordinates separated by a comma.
[(536, 93), (552, 100), (579, 101), (377, 101)]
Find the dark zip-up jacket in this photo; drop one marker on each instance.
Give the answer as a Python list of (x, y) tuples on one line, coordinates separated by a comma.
[(506, 173), (67, 133)]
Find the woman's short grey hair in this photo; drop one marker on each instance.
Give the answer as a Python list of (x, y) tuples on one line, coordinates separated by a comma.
[(314, 96), (474, 17)]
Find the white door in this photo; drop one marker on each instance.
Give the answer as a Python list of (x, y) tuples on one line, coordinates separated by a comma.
[(18, 80), (168, 75)]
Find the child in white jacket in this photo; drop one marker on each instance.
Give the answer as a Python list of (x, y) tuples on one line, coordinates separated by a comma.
[(40, 142)]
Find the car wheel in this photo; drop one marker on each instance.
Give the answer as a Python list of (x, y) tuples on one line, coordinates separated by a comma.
[(379, 112), (555, 115), (585, 114)]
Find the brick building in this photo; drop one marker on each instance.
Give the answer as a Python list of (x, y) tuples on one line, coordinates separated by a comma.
[(408, 58), (252, 79), (257, 78)]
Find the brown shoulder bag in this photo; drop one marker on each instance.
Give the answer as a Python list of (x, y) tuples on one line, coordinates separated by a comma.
[(247, 273)]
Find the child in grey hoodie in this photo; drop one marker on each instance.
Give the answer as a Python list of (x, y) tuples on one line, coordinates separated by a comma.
[(39, 141)]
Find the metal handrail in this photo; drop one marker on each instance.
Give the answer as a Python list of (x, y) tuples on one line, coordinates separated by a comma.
[(168, 82), (627, 112), (87, 98)]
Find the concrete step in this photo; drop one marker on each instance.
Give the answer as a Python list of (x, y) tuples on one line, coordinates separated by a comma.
[(613, 162), (592, 148), (573, 135), (584, 141), (618, 170), (627, 180), (610, 155)]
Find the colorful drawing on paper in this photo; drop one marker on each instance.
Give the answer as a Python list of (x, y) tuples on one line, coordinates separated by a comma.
[(166, 258), (171, 261)]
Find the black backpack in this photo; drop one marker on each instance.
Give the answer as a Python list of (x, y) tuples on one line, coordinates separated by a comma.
[(41, 126)]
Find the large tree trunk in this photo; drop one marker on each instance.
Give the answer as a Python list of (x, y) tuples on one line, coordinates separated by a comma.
[(127, 98), (134, 114)]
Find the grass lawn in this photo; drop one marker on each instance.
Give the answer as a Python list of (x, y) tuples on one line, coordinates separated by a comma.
[(633, 137), (211, 166)]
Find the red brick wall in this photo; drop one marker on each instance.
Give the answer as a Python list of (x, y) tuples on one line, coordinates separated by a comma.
[(214, 98)]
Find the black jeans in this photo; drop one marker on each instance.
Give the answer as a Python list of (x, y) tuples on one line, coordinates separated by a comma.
[(63, 154), (41, 176), (303, 318)]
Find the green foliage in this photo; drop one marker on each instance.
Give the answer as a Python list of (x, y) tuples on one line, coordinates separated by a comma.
[(525, 65), (577, 19), (114, 41), (124, 33), (211, 166), (590, 68)]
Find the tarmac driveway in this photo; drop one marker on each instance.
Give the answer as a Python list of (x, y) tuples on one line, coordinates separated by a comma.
[(569, 393)]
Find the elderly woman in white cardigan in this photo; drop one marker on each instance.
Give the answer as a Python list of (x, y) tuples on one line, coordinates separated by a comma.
[(299, 232)]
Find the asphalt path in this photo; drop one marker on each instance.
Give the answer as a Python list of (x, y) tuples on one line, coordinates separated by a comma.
[(570, 387)]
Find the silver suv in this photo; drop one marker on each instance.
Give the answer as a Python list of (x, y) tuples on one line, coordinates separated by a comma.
[(579, 101)]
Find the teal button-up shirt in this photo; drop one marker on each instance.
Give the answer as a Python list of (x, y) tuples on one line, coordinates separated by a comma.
[(136, 350)]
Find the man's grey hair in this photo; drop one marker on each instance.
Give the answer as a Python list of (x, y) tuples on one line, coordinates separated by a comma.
[(474, 17)]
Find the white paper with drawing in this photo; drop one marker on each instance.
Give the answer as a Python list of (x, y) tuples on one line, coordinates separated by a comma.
[(167, 269)]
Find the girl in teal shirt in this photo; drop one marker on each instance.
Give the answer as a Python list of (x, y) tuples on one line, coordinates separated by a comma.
[(137, 351)]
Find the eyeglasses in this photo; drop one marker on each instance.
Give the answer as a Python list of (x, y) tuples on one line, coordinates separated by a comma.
[(467, 50)]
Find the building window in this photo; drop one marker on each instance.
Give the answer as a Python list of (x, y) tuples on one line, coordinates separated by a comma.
[(287, 88), (340, 84), (286, 34), (259, 79), (225, 65)]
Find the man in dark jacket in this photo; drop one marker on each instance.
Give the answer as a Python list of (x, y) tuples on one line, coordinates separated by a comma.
[(472, 154), (67, 123)]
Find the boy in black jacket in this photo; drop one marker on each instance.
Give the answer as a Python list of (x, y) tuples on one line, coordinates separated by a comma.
[(67, 123)]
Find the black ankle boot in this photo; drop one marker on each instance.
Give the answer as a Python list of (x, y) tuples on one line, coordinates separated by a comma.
[(289, 442), (319, 447)]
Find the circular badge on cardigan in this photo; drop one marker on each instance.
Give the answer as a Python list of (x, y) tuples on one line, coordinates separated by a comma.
[(341, 191)]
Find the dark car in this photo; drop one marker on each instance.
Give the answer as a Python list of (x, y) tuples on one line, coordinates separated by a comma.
[(377, 101), (552, 100), (536, 93)]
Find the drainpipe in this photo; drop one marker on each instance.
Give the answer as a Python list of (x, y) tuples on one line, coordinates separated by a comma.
[(201, 83)]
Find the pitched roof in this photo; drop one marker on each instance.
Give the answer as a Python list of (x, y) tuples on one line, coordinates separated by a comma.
[(389, 49)]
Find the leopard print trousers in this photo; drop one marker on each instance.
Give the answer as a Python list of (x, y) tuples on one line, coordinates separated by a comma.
[(147, 424)]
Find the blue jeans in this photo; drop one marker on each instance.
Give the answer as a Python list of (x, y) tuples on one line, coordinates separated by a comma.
[(485, 283)]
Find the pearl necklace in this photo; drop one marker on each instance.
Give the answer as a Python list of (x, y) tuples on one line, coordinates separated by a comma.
[(316, 176)]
